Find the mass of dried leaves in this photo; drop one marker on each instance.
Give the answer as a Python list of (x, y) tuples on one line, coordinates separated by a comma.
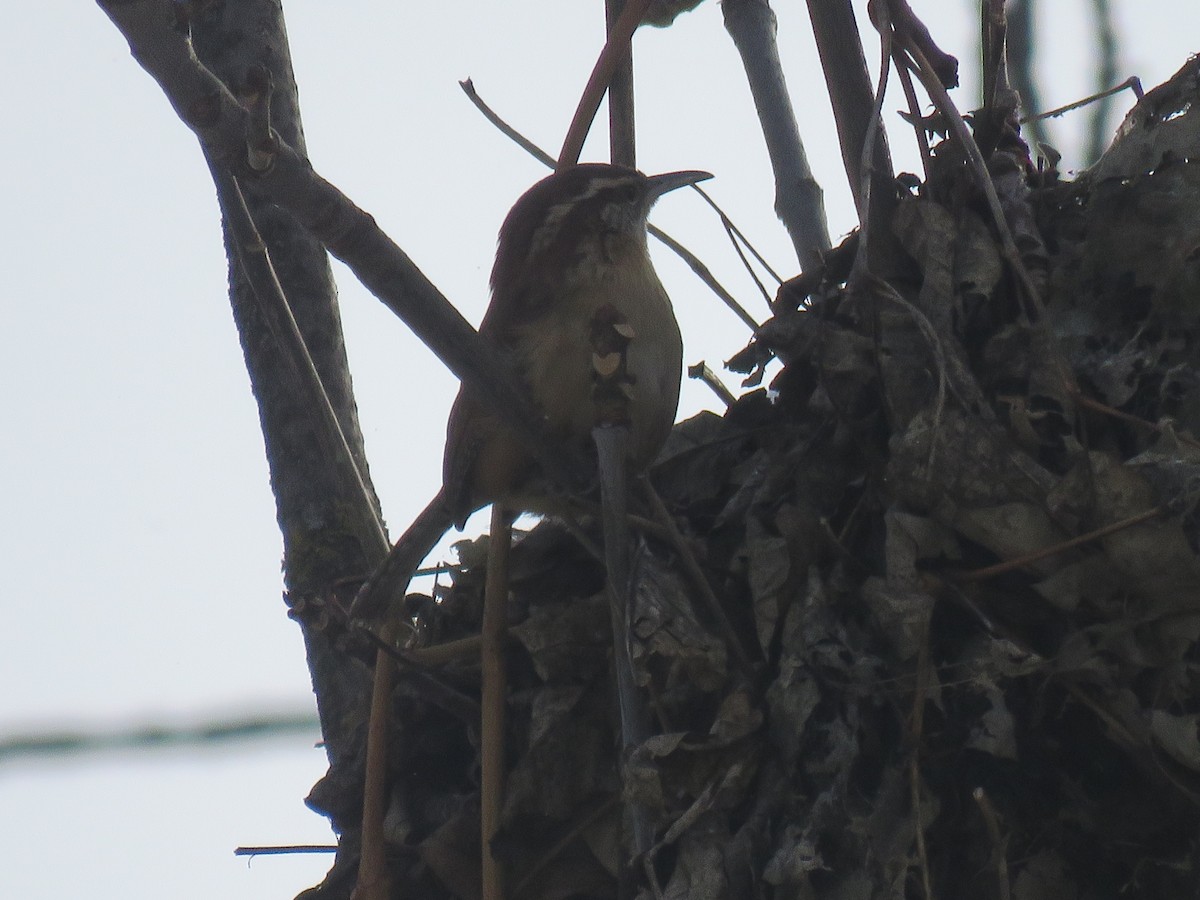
[(921, 719)]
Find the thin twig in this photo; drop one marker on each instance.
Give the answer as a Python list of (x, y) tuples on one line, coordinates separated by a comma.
[(1029, 558), (914, 111), (255, 262), (702, 272), (1132, 83), (564, 842), (78, 739), (1158, 428), (445, 652), (915, 730), (731, 226), (419, 664), (737, 248), (693, 262), (863, 193), (374, 877), (1034, 306), (494, 699), (615, 49), (440, 569), (885, 290), (468, 87), (1115, 724), (1004, 892), (701, 372), (622, 137), (691, 568), (914, 786), (285, 849)]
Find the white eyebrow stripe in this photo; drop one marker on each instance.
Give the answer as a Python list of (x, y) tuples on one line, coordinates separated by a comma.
[(553, 219)]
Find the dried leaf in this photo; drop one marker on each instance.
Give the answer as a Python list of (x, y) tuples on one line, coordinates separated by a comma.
[(992, 731), (1178, 735)]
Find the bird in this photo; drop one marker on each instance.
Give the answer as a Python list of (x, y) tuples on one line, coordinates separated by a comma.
[(572, 244)]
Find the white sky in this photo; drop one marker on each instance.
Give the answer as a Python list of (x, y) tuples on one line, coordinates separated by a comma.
[(141, 557)]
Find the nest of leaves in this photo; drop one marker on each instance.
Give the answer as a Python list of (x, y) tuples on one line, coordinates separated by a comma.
[(961, 542)]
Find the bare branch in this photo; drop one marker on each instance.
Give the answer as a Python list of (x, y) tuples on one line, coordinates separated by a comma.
[(507, 130), (702, 272), (701, 372), (1032, 298), (736, 232), (255, 262), (493, 699), (616, 48), (694, 262), (799, 200), (1132, 83), (211, 111), (622, 143), (839, 45)]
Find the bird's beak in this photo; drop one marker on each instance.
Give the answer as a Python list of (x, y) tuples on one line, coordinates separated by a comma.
[(669, 181)]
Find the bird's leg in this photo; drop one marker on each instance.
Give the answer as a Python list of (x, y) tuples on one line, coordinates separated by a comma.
[(494, 689)]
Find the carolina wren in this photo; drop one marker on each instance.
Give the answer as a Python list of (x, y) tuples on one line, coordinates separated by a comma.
[(572, 244)]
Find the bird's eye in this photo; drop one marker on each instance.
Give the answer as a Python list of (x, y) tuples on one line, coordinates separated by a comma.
[(629, 192)]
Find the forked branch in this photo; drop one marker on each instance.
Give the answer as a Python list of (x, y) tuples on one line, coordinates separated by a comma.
[(206, 106)]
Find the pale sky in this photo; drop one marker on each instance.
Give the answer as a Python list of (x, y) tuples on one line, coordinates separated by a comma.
[(141, 558)]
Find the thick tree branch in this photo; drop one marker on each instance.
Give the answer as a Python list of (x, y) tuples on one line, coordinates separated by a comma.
[(284, 305), (799, 200), (254, 259), (839, 45), (211, 111)]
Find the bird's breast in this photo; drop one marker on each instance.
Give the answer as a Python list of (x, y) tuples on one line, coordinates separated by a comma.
[(555, 354)]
